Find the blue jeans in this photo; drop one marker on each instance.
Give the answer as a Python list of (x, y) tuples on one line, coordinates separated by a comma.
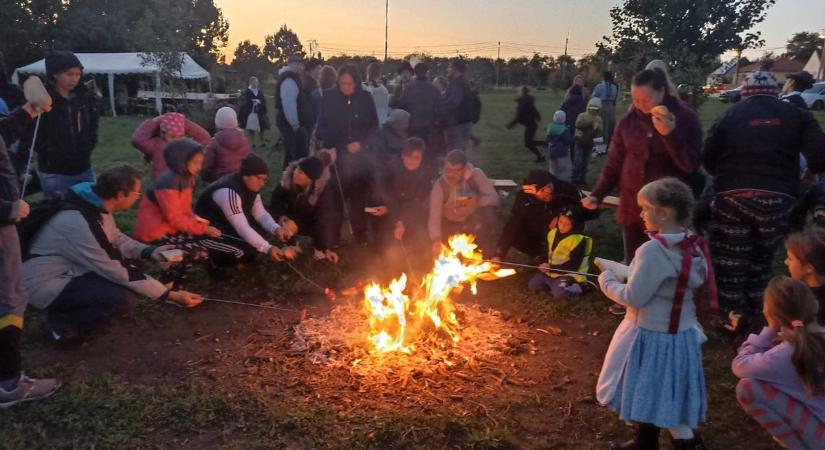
[(560, 287), (458, 136), (55, 186)]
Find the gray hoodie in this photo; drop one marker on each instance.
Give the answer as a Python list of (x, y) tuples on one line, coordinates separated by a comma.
[(651, 285)]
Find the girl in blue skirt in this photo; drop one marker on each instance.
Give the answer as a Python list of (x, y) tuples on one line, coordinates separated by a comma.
[(652, 373)]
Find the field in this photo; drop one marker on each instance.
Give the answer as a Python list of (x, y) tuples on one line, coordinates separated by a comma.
[(221, 376)]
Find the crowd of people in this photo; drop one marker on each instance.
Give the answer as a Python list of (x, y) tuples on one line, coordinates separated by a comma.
[(701, 218)]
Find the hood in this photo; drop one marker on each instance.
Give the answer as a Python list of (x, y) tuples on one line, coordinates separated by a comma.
[(178, 153), (232, 139), (557, 128), (670, 244), (594, 103), (85, 192), (312, 193), (398, 119)]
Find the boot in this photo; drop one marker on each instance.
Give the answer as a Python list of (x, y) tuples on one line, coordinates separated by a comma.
[(647, 438), (689, 444)]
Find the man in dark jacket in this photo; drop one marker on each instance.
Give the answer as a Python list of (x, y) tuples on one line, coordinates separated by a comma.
[(407, 187), (457, 107), (294, 115), (529, 116), (68, 133), (14, 386), (542, 198), (795, 85), (421, 100), (752, 151)]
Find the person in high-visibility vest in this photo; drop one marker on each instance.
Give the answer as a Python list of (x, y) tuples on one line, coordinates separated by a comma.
[(568, 249)]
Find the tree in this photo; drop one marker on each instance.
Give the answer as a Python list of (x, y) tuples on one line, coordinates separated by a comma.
[(802, 45), (250, 60), (281, 45), (687, 34)]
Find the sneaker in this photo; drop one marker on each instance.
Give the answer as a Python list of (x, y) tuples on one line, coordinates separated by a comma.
[(617, 310), (64, 337), (28, 390)]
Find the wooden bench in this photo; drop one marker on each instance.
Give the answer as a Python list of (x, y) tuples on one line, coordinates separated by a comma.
[(504, 185), (610, 201)]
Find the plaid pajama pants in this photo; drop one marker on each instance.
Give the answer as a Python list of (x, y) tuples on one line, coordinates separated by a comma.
[(787, 420), (746, 229), (193, 249)]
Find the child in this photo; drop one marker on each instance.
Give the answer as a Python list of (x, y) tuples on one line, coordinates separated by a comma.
[(806, 262), (652, 373), (588, 127), (165, 215), (558, 146), (153, 135), (782, 370), (568, 249), (227, 149)]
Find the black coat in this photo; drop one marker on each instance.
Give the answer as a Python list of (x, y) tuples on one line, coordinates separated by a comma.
[(421, 99), (458, 102), (797, 101), (247, 107), (572, 106), (530, 217), (755, 144), (408, 194), (10, 129), (526, 112), (68, 133), (344, 119)]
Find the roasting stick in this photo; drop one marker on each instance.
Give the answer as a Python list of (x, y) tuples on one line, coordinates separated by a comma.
[(232, 302), (527, 266)]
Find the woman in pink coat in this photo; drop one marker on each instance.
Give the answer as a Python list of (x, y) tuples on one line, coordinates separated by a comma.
[(152, 136)]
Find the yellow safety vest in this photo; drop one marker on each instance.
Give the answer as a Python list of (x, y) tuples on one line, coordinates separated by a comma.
[(561, 254)]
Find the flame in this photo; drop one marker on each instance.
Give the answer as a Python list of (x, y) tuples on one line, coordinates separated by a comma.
[(395, 319)]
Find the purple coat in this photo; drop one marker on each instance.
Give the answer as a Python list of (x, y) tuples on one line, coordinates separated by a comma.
[(639, 154)]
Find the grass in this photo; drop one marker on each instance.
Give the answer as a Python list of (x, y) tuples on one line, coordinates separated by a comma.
[(103, 407)]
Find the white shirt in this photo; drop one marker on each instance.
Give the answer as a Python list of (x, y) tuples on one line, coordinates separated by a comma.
[(230, 203)]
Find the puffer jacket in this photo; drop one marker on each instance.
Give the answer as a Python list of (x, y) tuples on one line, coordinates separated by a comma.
[(166, 208), (147, 139), (224, 154)]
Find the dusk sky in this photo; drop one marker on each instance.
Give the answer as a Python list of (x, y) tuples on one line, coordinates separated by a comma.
[(472, 26)]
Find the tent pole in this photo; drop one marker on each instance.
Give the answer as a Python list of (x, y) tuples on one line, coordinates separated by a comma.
[(112, 93)]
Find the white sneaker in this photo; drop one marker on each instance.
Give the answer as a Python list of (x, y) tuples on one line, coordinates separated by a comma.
[(28, 390)]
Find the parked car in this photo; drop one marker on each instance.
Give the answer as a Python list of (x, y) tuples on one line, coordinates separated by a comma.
[(732, 95), (815, 96)]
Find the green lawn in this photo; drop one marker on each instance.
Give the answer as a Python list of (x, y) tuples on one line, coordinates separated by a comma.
[(136, 386)]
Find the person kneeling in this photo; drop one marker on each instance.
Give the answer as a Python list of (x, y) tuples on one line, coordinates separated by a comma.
[(233, 205), (568, 250), (78, 265)]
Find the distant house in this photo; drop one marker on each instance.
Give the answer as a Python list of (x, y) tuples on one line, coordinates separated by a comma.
[(813, 66), (723, 74), (782, 67)]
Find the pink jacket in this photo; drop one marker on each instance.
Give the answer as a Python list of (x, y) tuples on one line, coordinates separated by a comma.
[(147, 139), (224, 154)]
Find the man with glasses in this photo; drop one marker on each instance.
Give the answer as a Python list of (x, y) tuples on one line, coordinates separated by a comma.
[(78, 266), (233, 205)]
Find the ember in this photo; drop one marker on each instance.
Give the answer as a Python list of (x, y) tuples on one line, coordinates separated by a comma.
[(396, 321)]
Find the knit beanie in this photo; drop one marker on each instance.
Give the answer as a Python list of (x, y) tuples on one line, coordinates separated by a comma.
[(59, 61), (559, 117), (173, 123), (253, 165), (761, 82), (225, 118), (595, 104), (311, 167)]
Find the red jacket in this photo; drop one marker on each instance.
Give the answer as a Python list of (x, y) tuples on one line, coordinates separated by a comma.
[(147, 139), (166, 210), (639, 154), (224, 154)]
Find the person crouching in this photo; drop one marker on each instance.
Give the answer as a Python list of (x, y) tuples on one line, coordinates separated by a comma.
[(233, 205), (568, 250)]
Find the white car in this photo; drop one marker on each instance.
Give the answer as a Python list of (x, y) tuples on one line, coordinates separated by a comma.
[(815, 96)]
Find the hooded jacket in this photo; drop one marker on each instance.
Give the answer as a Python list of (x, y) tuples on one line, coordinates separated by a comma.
[(756, 143), (147, 139), (639, 154), (10, 128), (346, 118), (421, 99), (166, 208), (386, 143), (589, 123), (317, 209), (80, 240), (224, 154), (407, 193), (651, 285), (67, 134), (526, 112), (458, 102), (444, 198), (574, 104)]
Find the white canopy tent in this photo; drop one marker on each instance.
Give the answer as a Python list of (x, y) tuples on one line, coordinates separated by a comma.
[(113, 64)]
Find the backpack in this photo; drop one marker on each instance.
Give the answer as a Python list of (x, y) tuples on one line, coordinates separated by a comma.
[(41, 213)]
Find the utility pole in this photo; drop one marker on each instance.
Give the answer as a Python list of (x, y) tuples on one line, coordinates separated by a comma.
[(498, 61), (736, 67), (564, 62), (386, 27)]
